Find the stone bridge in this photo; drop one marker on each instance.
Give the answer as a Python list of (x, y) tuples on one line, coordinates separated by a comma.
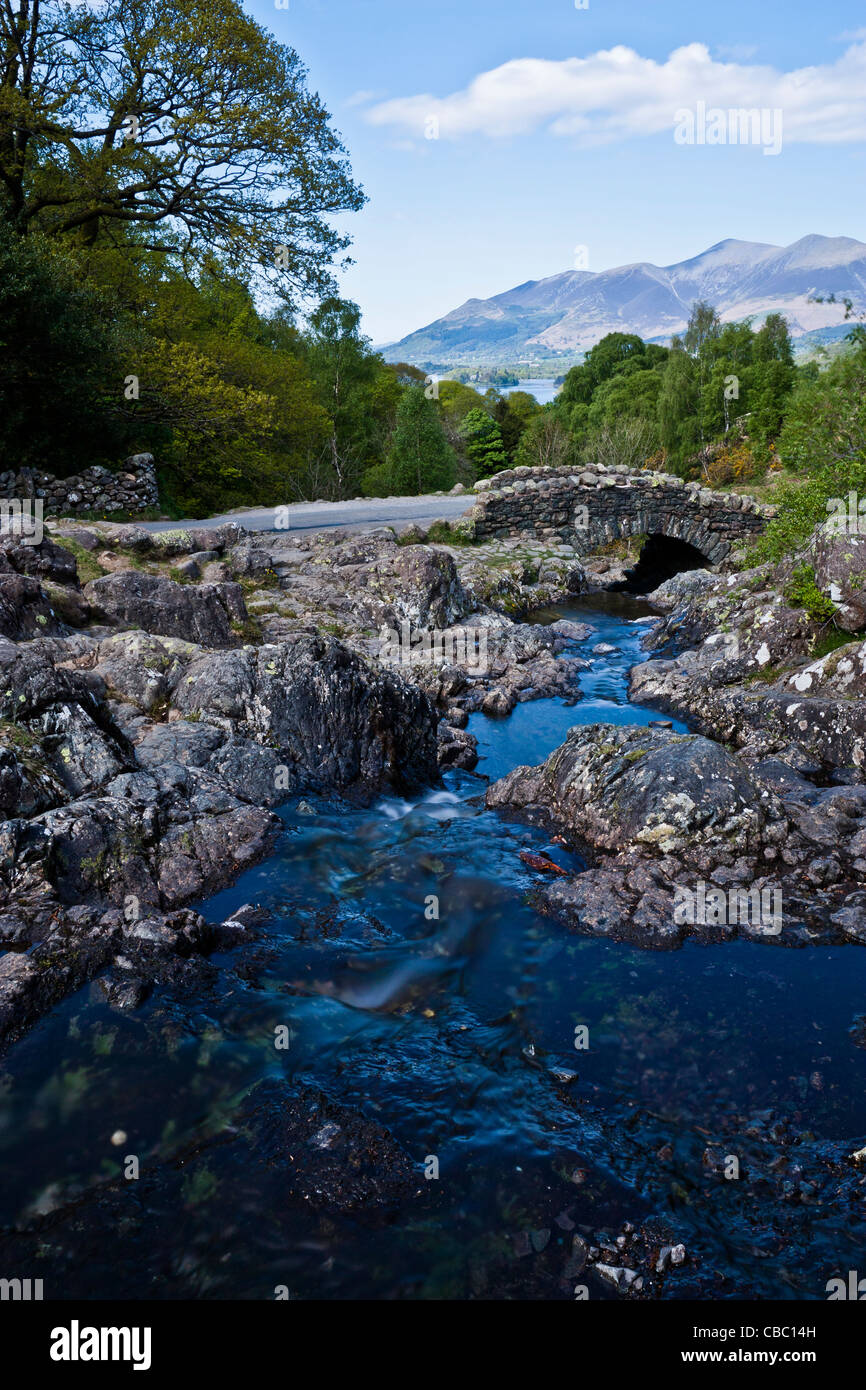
[(593, 507)]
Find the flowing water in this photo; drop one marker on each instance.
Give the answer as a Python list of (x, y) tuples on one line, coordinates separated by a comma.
[(458, 1035)]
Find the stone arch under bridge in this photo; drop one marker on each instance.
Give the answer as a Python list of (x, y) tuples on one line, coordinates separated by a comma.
[(595, 506)]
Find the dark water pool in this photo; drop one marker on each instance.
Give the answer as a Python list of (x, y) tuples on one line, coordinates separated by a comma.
[(458, 1034)]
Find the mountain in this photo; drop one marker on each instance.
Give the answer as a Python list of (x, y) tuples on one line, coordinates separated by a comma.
[(563, 315)]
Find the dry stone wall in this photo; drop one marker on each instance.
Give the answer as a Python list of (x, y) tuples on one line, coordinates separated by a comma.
[(132, 490)]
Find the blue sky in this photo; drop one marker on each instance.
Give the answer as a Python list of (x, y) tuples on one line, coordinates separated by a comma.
[(544, 156)]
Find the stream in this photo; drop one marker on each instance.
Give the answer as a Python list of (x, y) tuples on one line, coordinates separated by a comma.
[(457, 1034)]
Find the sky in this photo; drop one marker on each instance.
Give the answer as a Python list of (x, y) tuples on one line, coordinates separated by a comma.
[(500, 141)]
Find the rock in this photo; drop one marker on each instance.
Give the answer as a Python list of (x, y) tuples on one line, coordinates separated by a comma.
[(840, 573), (456, 747), (201, 613), (572, 632), (142, 669), (25, 610), (333, 721), (43, 561), (688, 585), (498, 702), (623, 901), (617, 1275), (616, 786)]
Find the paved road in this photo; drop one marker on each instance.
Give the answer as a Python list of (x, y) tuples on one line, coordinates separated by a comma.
[(362, 514)]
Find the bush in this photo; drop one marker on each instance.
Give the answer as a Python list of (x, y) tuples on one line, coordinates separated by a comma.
[(801, 591)]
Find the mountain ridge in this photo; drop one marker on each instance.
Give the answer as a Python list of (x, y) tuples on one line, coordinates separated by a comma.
[(564, 314)]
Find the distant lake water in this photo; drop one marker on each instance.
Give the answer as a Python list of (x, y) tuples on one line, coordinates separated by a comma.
[(542, 388)]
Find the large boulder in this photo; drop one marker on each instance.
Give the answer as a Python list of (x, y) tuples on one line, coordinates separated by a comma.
[(43, 561), (334, 721), (840, 573), (613, 787), (141, 669), (681, 588), (369, 580), (196, 613), (25, 610)]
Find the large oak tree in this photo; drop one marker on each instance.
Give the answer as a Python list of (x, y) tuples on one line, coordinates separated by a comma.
[(181, 124)]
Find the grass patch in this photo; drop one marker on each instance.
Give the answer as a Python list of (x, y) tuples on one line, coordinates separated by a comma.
[(830, 641), (87, 565), (443, 533), (268, 579), (767, 675), (249, 632), (22, 739)]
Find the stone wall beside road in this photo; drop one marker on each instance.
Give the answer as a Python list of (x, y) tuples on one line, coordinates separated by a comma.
[(94, 490)]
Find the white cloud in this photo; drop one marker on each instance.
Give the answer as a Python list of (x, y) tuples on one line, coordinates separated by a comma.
[(615, 94), (362, 98), (737, 52)]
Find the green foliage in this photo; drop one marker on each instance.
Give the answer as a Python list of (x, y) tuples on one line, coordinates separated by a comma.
[(183, 119), (483, 440), (513, 414), (609, 356), (678, 404), (829, 641), (546, 442), (359, 393), (801, 591), (420, 458), (210, 433), (61, 386), (823, 443), (825, 425)]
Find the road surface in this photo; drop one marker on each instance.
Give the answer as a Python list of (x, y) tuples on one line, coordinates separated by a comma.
[(362, 513)]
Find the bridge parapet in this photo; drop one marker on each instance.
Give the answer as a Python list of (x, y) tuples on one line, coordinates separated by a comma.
[(593, 506)]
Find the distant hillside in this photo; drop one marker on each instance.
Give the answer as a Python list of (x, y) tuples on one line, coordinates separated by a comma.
[(565, 314)]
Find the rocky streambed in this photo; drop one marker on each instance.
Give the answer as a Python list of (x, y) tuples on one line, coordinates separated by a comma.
[(329, 978)]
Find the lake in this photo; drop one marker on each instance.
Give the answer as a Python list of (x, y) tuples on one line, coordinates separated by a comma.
[(542, 388)]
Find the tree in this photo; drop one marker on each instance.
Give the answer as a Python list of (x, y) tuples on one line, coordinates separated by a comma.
[(825, 425), (182, 118), (344, 371), (546, 442), (456, 399), (420, 458), (210, 434), (483, 440), (631, 395), (623, 442), (61, 381), (703, 326), (601, 362), (513, 413), (678, 405), (773, 341)]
